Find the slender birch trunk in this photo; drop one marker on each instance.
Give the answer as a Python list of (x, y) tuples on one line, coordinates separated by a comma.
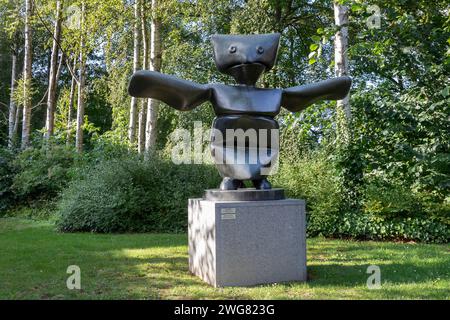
[(341, 13), (155, 65), (142, 110), (19, 109), (52, 82), (136, 51), (73, 84), (12, 103), (81, 86), (27, 73), (60, 64)]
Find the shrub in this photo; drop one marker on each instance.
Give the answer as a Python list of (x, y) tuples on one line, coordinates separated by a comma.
[(37, 210), (388, 199), (390, 210), (372, 227), (435, 205), (391, 199), (313, 178), (129, 194), (42, 172), (7, 173)]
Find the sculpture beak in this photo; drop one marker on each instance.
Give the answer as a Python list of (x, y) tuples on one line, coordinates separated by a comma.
[(247, 73)]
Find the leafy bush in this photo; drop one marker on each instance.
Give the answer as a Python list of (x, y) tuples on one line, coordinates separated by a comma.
[(42, 172), (7, 173), (434, 206), (389, 199), (372, 227), (392, 199), (313, 178), (37, 210), (129, 194), (390, 211)]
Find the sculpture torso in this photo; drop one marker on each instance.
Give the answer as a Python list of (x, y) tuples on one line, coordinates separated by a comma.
[(242, 107), (245, 100)]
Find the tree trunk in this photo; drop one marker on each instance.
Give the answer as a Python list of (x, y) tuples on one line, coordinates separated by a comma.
[(343, 110), (50, 119), (12, 103), (136, 51), (27, 77), (348, 159), (19, 107), (17, 120), (142, 110), (73, 84), (155, 65), (81, 87), (60, 64)]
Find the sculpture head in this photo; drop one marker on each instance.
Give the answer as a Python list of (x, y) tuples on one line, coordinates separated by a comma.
[(245, 57)]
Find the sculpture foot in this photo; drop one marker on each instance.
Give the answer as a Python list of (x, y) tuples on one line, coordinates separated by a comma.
[(262, 184), (231, 184)]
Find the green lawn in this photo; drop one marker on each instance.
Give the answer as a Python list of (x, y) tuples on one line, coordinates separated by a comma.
[(34, 259)]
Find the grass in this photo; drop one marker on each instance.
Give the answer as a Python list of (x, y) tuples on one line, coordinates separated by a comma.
[(34, 259)]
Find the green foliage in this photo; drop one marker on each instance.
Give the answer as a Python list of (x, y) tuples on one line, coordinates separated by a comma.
[(311, 177), (42, 209), (372, 227), (403, 147), (389, 200), (6, 179), (349, 164), (42, 172), (409, 49), (132, 195), (389, 211), (109, 145)]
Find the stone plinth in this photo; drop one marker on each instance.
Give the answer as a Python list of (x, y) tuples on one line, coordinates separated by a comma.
[(245, 243)]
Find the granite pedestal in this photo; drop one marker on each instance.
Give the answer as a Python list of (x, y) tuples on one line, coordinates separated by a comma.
[(245, 243)]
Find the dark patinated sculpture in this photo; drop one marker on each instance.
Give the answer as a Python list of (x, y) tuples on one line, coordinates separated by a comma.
[(243, 106)]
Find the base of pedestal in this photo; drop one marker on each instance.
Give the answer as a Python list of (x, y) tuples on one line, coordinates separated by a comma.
[(245, 243)]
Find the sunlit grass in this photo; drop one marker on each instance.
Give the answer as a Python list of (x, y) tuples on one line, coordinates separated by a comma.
[(34, 259)]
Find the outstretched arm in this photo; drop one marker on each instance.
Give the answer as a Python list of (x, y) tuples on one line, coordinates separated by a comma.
[(298, 98), (180, 94)]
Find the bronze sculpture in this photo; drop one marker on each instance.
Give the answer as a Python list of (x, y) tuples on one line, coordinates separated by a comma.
[(243, 106)]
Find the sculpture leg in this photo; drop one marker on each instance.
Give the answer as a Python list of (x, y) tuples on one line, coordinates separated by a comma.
[(262, 184), (231, 184)]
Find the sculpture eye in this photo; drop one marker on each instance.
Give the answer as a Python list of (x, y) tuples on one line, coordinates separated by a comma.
[(260, 50), (233, 49)]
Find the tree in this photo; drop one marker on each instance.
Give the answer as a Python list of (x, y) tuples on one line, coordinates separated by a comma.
[(155, 65), (11, 30), (81, 83), (27, 74), (12, 103), (53, 74), (73, 84), (142, 110), (136, 52), (341, 68)]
